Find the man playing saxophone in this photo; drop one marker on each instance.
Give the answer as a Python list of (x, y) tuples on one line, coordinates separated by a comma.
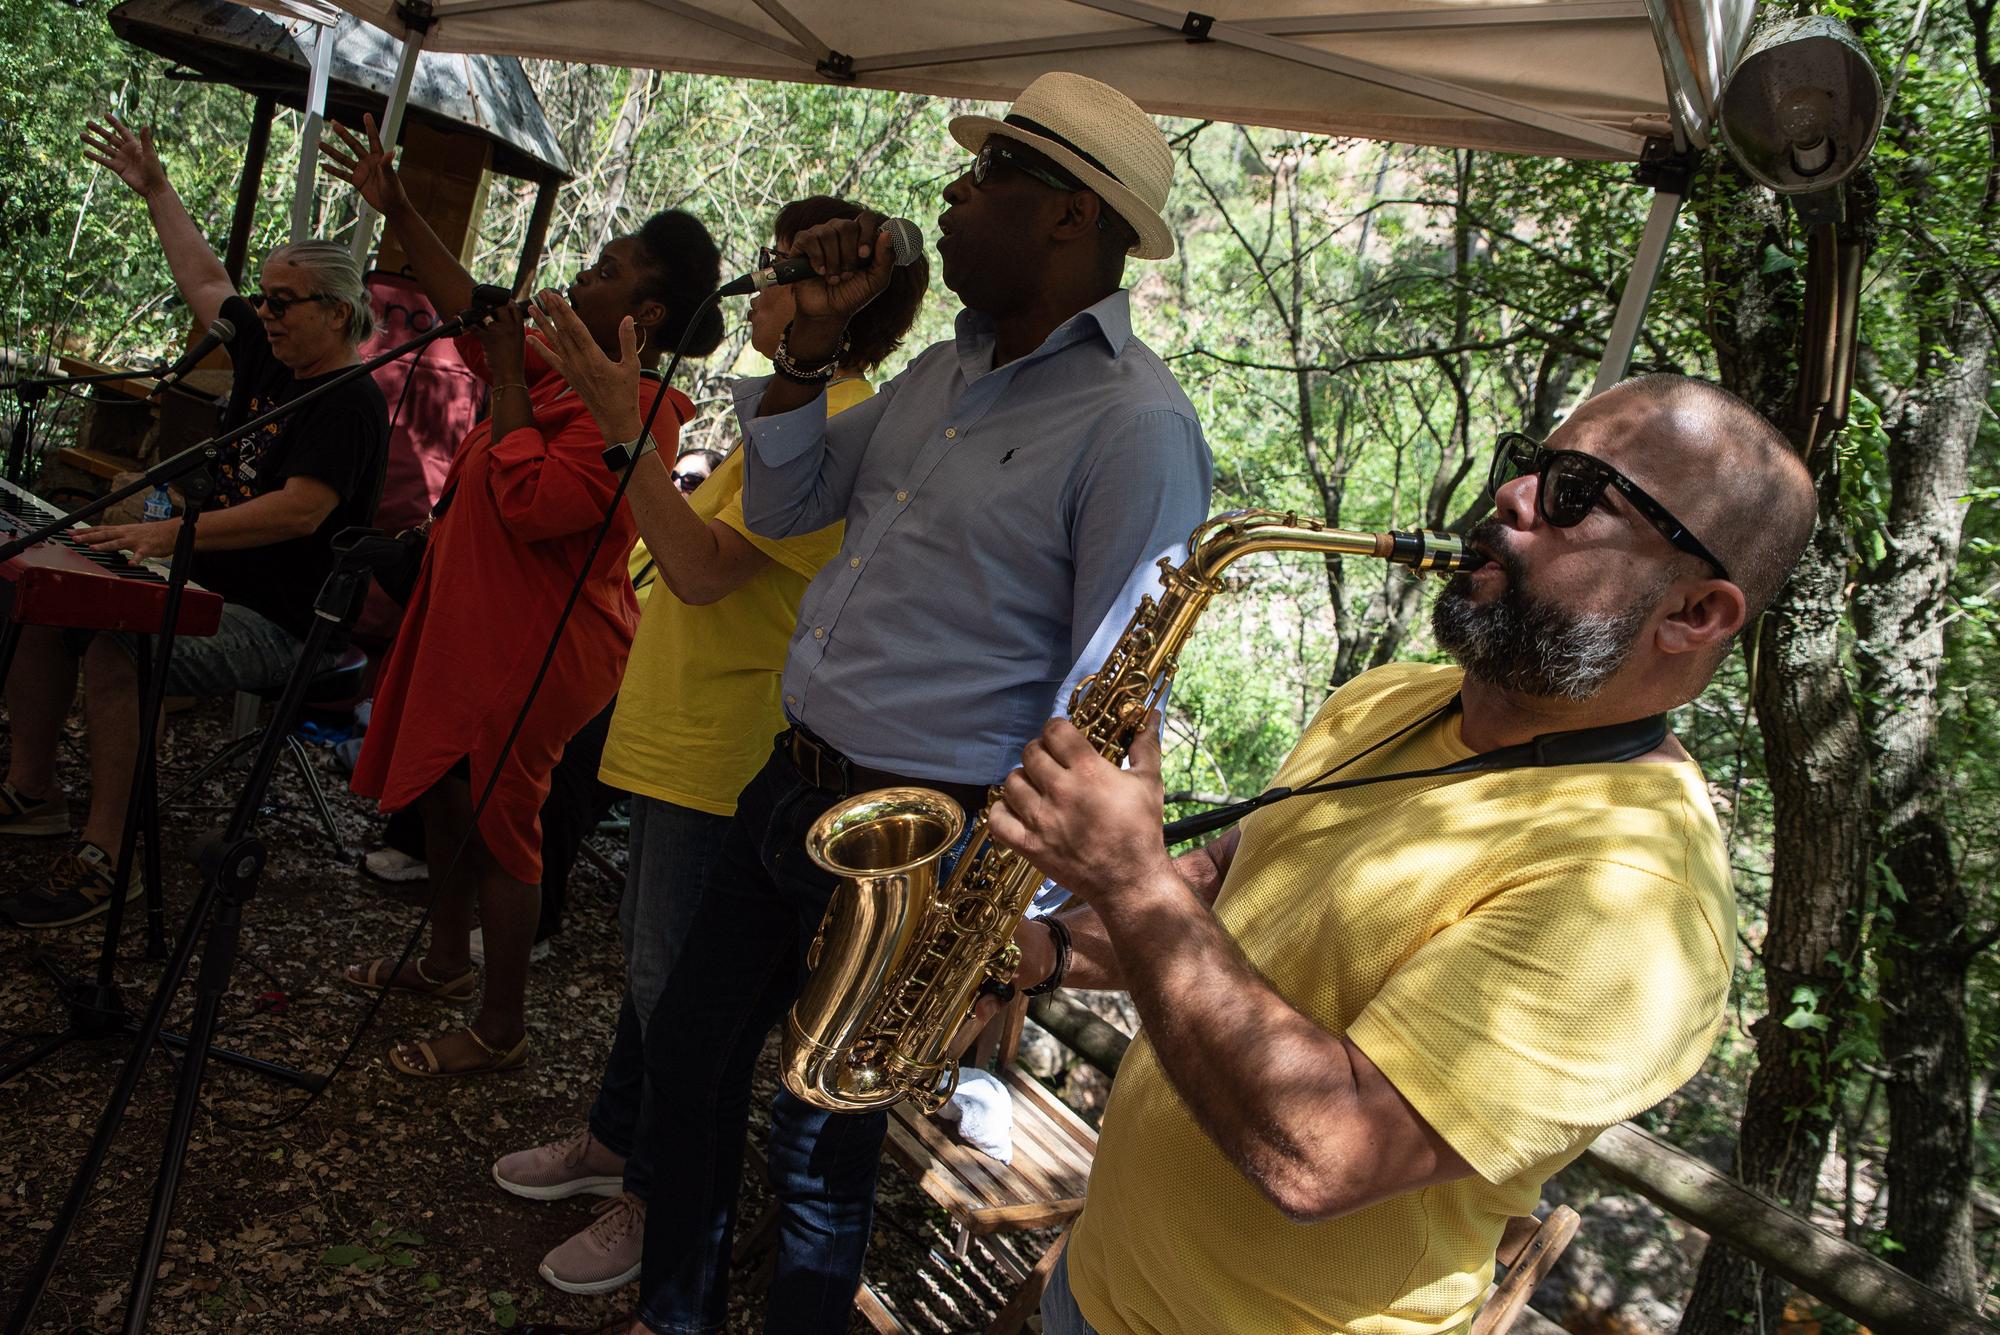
[(1376, 1019)]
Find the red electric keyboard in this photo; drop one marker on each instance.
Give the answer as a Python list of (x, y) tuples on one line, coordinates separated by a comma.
[(61, 582)]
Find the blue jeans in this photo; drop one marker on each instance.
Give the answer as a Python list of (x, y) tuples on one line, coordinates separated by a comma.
[(248, 652), (743, 966), (671, 850), (1060, 1315)]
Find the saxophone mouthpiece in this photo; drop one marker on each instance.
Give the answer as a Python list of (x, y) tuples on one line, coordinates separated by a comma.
[(1432, 551)]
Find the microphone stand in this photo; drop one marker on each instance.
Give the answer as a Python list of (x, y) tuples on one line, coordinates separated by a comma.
[(96, 1008), (230, 860)]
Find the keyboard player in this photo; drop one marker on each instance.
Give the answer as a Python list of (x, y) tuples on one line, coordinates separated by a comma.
[(264, 544)]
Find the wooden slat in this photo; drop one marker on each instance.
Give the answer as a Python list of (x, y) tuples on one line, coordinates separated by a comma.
[(1030, 1214), (1035, 1134), (1025, 1086), (878, 1317), (934, 1177), (1014, 1316), (971, 1167)]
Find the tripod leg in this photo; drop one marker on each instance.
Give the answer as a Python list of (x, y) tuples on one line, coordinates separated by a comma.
[(314, 789), (23, 1315), (156, 927), (218, 961), (10, 635)]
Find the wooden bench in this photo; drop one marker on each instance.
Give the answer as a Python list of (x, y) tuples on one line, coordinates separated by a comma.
[(1043, 1188)]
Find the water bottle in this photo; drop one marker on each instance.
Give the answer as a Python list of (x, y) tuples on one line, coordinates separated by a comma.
[(159, 505)]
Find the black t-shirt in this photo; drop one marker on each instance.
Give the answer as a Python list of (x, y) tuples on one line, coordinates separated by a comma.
[(341, 440)]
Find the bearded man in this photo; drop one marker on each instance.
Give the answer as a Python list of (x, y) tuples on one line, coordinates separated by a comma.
[(1379, 1016)]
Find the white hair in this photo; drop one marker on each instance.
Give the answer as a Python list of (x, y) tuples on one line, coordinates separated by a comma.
[(334, 275)]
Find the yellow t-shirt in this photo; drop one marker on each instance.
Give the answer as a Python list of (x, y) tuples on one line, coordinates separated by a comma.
[(1530, 956), (700, 702)]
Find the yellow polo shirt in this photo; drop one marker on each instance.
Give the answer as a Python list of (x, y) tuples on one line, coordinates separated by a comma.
[(700, 701), (1529, 955)]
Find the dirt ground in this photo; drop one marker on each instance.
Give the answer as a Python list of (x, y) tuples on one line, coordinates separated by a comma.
[(374, 1210)]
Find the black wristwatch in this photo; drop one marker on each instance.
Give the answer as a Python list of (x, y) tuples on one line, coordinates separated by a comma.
[(622, 455)]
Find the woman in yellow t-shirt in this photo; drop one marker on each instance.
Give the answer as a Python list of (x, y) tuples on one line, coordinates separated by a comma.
[(695, 716)]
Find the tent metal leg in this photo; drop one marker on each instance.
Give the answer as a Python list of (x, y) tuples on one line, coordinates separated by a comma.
[(392, 130), (302, 189), (1638, 291)]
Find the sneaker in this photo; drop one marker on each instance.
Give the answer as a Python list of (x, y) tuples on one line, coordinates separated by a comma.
[(79, 888), (562, 1169), (36, 817), (394, 866), (536, 953), (605, 1256)]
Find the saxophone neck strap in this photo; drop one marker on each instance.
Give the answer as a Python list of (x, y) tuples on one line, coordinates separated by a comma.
[(1608, 743)]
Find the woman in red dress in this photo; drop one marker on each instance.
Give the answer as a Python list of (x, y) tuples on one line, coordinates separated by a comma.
[(526, 494)]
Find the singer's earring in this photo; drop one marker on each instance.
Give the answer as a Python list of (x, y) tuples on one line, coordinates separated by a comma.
[(643, 331)]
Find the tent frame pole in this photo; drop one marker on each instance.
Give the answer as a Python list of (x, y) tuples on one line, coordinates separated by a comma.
[(1669, 176), (302, 189), (392, 130)]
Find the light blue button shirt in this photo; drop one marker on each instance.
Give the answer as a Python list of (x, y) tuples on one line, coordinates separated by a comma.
[(1001, 527)]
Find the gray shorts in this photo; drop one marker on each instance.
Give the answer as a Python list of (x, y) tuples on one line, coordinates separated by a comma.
[(248, 652)]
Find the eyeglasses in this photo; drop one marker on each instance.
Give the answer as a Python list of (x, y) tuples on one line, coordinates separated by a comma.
[(260, 301), (769, 256), (1571, 483), (982, 167), (688, 480)]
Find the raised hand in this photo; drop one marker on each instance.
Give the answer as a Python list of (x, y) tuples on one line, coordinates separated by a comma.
[(368, 167), (129, 156), (610, 390)]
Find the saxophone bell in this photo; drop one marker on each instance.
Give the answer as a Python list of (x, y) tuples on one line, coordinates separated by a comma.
[(886, 847)]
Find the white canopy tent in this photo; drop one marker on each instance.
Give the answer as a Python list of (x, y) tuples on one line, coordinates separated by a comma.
[(1624, 80)]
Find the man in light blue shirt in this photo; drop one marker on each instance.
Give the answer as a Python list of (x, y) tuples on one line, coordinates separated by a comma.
[(1005, 499)]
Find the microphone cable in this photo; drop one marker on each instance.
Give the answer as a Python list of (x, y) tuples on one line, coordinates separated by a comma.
[(415, 937)]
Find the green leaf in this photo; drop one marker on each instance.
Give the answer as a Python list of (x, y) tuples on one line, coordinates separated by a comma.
[(346, 1254), (1776, 261), (1803, 1019)]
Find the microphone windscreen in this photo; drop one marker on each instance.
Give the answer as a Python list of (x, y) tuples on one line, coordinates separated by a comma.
[(905, 239), (223, 328)]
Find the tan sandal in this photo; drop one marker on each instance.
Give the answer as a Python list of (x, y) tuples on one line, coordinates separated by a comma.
[(379, 975), (421, 1059)]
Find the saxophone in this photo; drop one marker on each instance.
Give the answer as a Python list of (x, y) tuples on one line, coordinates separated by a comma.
[(899, 958)]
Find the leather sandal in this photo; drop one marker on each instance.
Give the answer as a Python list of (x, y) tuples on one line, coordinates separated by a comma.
[(421, 1059), (379, 975)]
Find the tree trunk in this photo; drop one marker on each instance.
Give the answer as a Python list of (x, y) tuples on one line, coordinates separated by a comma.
[(1900, 614), (1818, 775)]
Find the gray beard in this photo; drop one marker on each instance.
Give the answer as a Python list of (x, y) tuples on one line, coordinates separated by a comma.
[(1534, 646)]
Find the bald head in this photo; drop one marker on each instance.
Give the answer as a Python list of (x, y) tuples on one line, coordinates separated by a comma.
[(1736, 481)]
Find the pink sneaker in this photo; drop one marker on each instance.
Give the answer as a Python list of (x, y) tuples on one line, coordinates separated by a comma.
[(604, 1256), (573, 1166)]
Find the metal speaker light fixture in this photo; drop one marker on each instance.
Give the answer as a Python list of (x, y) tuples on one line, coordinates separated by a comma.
[(1802, 106)]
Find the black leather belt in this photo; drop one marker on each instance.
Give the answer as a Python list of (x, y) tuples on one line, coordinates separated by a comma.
[(822, 766)]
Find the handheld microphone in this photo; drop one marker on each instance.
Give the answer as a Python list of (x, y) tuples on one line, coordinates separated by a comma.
[(906, 241), (219, 333)]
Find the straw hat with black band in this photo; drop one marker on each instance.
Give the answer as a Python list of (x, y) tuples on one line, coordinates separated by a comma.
[(1099, 136)]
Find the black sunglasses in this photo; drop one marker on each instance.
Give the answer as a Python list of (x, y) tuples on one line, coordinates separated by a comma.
[(687, 481), (1571, 483), (768, 256), (260, 301), (982, 167)]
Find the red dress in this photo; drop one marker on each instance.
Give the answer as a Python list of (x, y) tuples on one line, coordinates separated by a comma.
[(498, 567)]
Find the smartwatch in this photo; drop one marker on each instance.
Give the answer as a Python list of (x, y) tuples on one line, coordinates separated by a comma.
[(624, 454)]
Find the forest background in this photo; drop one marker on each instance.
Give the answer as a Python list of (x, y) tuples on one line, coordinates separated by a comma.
[(1355, 322)]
